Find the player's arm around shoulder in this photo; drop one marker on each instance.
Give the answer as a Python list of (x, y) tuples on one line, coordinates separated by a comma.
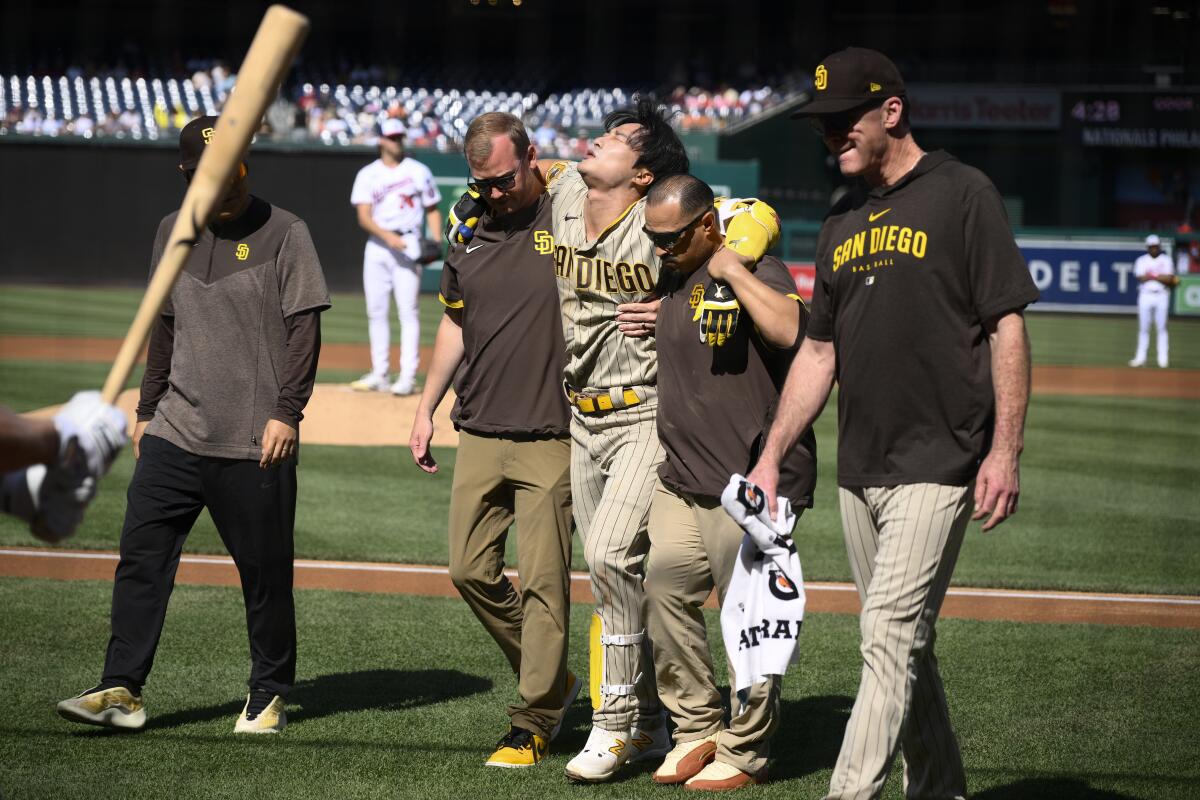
[(764, 294)]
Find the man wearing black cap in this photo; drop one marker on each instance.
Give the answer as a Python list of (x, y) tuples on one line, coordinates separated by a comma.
[(230, 367), (917, 313)]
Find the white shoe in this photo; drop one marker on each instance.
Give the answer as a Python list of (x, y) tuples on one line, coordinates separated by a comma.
[(404, 386), (116, 707), (686, 760), (370, 383), (646, 744), (271, 719), (604, 754), (1162, 365), (574, 684), (1137, 362)]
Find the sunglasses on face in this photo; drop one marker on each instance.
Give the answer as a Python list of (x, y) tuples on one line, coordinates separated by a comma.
[(484, 186), (840, 123), (669, 240)]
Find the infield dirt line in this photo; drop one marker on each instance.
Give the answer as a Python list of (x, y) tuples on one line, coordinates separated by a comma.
[(1047, 378), (1164, 611)]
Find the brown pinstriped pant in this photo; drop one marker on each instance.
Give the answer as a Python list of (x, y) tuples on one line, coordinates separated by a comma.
[(903, 542), (498, 480)]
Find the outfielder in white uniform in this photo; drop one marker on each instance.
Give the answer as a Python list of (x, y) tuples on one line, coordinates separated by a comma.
[(1151, 270), (393, 196)]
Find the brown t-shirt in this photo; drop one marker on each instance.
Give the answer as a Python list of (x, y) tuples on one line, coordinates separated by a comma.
[(510, 380), (906, 278), (715, 404), (230, 310)]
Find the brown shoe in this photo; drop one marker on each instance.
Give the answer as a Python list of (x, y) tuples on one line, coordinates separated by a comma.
[(687, 759), (721, 777)]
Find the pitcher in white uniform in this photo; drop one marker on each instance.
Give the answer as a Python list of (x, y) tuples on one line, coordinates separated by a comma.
[(1152, 271), (393, 195)]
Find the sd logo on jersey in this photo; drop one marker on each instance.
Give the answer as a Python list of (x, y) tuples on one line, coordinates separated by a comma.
[(543, 242), (242, 252)]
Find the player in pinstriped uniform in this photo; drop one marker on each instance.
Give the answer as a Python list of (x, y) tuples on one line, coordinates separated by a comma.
[(602, 261), (607, 270)]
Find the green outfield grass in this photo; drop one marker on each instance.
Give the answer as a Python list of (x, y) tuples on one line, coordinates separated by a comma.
[(404, 697), (1109, 503), (1109, 497), (1091, 340), (105, 312)]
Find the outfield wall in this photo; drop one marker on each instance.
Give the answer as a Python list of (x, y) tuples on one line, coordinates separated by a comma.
[(87, 214)]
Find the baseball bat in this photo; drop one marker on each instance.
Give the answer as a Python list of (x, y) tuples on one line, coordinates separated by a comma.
[(267, 61)]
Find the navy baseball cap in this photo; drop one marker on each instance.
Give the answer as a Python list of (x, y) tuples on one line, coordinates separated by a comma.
[(194, 137), (850, 78)]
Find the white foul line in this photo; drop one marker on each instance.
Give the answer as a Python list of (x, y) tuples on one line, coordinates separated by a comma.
[(412, 569)]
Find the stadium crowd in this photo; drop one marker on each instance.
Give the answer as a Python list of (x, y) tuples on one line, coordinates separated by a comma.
[(123, 103)]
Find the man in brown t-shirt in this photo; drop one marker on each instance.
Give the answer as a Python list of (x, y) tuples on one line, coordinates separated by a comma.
[(501, 342), (230, 367), (714, 407), (917, 313)]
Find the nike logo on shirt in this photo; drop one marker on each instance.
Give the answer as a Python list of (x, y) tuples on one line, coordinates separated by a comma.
[(471, 248), (873, 217)]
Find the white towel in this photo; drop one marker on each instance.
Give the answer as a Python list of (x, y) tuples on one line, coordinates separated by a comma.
[(764, 605)]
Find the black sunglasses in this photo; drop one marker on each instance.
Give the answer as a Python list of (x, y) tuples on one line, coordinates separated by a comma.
[(484, 186), (669, 240), (827, 125)]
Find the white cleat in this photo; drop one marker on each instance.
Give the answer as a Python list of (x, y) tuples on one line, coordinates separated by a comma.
[(403, 387), (371, 383), (604, 754), (649, 744), (1138, 362)]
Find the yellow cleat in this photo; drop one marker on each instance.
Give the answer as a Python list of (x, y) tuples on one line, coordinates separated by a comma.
[(115, 707), (519, 748), (271, 719)]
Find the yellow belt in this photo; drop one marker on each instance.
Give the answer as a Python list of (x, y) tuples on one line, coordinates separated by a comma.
[(595, 404)]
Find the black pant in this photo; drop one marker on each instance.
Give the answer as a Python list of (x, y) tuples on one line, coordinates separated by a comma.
[(254, 511)]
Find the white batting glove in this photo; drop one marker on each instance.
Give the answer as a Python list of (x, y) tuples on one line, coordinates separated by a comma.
[(746, 503), (91, 431)]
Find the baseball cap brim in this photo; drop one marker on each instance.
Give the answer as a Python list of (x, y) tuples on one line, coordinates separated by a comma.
[(832, 105)]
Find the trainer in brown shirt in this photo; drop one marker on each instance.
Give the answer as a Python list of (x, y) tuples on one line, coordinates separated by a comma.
[(715, 402), (501, 342)]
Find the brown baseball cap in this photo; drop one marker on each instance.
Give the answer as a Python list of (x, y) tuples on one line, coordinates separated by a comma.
[(850, 78), (194, 137)]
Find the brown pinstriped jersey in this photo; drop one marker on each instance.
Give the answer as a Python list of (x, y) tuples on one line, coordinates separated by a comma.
[(594, 277)]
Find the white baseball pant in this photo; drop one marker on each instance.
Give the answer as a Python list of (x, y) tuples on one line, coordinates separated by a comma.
[(388, 272), (1152, 306)]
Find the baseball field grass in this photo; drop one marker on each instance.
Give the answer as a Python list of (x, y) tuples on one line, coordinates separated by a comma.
[(404, 697)]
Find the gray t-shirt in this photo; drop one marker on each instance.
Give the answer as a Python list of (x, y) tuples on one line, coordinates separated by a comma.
[(241, 282)]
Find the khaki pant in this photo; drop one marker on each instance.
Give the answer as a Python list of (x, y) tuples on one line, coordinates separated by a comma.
[(903, 542), (496, 481), (693, 547)]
